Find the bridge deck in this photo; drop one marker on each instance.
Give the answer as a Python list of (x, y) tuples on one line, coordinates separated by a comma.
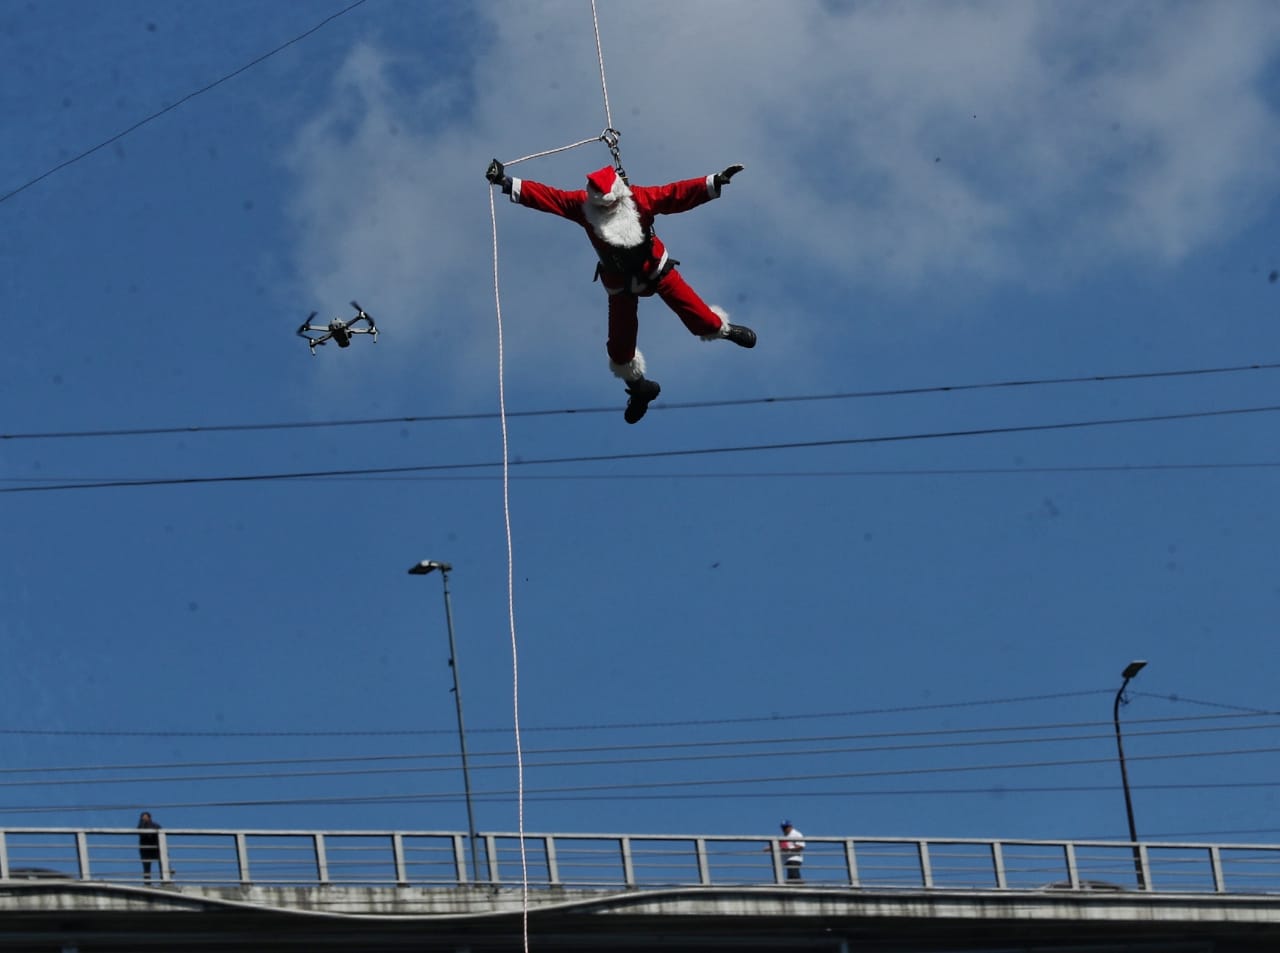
[(398, 890)]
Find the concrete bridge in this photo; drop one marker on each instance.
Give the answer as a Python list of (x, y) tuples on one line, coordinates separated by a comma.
[(68, 890)]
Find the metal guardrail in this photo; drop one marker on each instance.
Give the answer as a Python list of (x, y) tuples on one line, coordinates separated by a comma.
[(633, 861)]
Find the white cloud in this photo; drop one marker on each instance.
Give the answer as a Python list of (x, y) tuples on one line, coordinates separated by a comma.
[(885, 142)]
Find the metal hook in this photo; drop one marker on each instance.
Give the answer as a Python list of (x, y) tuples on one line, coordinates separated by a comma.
[(610, 138)]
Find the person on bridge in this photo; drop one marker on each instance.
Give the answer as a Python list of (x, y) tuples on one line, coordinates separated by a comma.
[(791, 844), (148, 844), (618, 219)]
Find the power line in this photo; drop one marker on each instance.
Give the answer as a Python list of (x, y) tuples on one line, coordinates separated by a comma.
[(876, 472), (1168, 835), (954, 739), (627, 795), (1195, 701), (638, 786), (582, 411), (791, 751), (643, 455), (775, 474), (156, 115), (614, 726), (664, 789), (950, 738)]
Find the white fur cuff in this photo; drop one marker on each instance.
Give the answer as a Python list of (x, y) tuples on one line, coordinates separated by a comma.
[(633, 370), (723, 330)]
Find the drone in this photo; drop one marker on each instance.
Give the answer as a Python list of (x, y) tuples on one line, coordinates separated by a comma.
[(337, 329)]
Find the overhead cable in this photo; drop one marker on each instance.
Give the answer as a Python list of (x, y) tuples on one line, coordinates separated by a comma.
[(160, 112), (641, 455), (668, 406)]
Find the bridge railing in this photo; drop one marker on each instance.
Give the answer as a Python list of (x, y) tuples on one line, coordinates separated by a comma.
[(633, 861)]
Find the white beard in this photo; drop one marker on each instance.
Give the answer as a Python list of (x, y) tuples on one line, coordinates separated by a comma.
[(617, 224)]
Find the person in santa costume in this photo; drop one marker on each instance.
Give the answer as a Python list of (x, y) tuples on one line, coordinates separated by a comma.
[(634, 263)]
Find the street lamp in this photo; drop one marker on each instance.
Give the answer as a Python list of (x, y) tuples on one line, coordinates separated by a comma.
[(1130, 670), (423, 568)]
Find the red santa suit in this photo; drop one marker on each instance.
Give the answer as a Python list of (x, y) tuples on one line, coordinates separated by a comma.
[(634, 263)]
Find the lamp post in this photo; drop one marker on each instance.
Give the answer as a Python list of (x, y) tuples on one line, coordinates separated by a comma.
[(1130, 670), (423, 568)]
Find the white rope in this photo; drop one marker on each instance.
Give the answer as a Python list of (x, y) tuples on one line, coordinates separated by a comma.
[(506, 512), (506, 482), (595, 22), (608, 115), (551, 152), (511, 602)]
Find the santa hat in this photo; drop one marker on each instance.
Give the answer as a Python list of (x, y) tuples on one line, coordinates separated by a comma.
[(602, 180), (607, 186)]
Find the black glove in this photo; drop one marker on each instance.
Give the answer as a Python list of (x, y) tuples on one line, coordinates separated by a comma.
[(496, 176), (722, 178)]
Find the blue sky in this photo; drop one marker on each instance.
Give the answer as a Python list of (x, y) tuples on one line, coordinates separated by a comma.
[(890, 636)]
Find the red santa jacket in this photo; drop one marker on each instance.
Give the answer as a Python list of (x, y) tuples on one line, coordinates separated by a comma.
[(635, 266)]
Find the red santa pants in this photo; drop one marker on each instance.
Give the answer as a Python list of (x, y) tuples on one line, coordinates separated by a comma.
[(679, 297)]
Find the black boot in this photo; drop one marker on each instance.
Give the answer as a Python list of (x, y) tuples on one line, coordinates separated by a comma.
[(642, 392), (740, 335)]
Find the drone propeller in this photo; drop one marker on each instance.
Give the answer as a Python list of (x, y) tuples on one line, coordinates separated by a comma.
[(361, 314), (306, 325)]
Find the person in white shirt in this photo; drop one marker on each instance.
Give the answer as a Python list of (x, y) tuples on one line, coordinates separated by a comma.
[(792, 846)]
